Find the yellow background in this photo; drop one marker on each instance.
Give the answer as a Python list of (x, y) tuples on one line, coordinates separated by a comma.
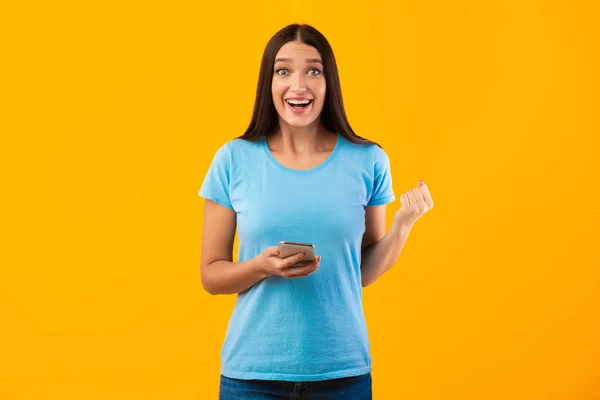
[(111, 113)]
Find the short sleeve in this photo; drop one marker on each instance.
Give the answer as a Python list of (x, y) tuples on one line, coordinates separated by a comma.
[(216, 186), (382, 191)]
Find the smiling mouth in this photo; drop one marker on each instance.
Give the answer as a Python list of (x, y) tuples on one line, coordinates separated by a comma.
[(298, 104)]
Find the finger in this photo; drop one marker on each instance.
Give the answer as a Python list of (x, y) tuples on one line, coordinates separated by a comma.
[(291, 260), (404, 200), (312, 271), (301, 263), (315, 263), (301, 271), (426, 195), (306, 263), (412, 199), (418, 195), (272, 251)]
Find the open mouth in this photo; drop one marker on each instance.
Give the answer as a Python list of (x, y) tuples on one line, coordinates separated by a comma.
[(298, 104)]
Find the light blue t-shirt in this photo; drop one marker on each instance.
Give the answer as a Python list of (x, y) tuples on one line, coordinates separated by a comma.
[(309, 328)]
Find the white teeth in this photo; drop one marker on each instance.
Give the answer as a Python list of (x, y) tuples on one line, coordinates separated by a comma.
[(290, 101)]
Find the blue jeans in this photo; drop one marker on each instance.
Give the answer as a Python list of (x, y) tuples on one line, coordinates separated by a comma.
[(352, 388)]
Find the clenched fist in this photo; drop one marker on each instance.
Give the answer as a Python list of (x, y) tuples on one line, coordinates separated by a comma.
[(414, 204)]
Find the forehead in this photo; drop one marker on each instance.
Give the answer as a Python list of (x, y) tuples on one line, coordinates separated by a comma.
[(297, 51)]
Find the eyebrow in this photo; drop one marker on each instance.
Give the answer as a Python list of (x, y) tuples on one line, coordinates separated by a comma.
[(308, 60)]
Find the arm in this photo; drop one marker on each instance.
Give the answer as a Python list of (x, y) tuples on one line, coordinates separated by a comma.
[(380, 250), (219, 274)]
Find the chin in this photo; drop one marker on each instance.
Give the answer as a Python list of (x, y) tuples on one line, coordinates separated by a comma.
[(297, 124), (300, 122)]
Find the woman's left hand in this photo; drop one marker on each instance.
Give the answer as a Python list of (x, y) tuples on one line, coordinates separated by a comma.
[(415, 203)]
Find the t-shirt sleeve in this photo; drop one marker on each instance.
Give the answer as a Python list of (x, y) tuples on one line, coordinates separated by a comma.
[(382, 191), (216, 186)]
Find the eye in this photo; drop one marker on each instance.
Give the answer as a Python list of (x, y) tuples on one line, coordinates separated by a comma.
[(279, 70), (318, 72)]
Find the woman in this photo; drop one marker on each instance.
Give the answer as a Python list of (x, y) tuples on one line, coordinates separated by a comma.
[(299, 173)]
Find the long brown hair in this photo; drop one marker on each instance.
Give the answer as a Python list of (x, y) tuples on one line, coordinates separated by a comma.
[(333, 116)]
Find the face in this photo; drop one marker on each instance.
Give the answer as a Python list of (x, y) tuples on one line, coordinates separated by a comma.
[(297, 78)]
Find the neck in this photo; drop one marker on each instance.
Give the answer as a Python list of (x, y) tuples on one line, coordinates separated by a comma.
[(299, 139)]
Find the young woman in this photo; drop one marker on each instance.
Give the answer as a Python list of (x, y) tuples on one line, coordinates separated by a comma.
[(299, 173)]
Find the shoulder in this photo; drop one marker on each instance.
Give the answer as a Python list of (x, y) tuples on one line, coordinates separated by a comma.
[(370, 154), (236, 150), (238, 145)]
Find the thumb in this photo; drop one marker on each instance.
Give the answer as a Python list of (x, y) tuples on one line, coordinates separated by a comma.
[(421, 183), (273, 251)]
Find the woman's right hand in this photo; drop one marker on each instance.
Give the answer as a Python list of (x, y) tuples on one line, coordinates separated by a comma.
[(274, 265)]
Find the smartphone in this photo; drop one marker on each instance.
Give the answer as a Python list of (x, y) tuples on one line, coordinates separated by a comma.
[(287, 249)]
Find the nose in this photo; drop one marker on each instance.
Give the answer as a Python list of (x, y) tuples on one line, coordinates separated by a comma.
[(298, 84)]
